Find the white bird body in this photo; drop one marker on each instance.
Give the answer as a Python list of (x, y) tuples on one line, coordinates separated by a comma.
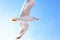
[(25, 17)]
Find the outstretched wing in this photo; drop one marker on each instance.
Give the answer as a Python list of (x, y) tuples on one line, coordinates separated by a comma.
[(26, 8), (24, 25)]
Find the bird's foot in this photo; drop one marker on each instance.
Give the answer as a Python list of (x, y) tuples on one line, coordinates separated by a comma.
[(36, 18)]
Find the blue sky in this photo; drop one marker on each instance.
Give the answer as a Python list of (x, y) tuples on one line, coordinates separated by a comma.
[(47, 28)]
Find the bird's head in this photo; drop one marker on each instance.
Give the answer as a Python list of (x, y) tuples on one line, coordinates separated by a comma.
[(13, 19)]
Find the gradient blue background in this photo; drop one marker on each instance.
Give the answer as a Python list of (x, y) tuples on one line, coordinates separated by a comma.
[(47, 28)]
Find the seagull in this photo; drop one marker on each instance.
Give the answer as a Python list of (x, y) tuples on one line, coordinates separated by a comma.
[(24, 17)]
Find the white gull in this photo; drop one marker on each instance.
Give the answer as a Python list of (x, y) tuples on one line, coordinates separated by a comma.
[(24, 17)]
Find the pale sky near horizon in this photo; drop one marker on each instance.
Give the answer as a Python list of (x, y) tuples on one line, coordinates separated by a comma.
[(47, 28)]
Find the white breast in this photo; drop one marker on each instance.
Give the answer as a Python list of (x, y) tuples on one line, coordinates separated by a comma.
[(26, 19)]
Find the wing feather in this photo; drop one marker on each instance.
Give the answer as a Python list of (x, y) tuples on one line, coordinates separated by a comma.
[(24, 25), (26, 8)]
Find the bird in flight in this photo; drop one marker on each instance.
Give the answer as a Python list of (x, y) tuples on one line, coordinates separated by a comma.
[(24, 17)]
